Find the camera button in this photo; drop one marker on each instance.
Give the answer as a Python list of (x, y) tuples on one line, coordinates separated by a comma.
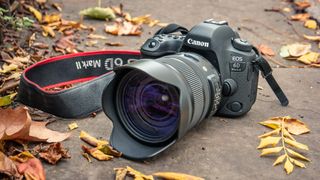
[(235, 106), (241, 45), (229, 87), (152, 44)]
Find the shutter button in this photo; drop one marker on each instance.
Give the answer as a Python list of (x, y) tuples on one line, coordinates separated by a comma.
[(241, 45), (152, 44)]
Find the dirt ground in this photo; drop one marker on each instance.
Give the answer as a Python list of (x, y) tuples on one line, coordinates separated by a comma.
[(219, 148)]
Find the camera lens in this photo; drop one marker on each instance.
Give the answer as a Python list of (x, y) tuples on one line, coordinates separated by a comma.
[(149, 108)]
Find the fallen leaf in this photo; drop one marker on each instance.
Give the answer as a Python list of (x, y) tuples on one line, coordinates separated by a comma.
[(114, 44), (98, 13), (280, 159), (107, 149), (176, 176), (22, 157), (138, 175), (91, 43), (120, 173), (296, 144), (92, 140), (16, 124), (312, 38), (8, 68), (73, 126), (35, 12), (96, 36), (47, 30), (7, 100), (40, 45), (298, 163), (300, 5), (54, 152), (65, 45), (32, 169), (286, 9), (300, 17), (265, 50), (57, 6), (298, 155), (8, 167), (294, 126), (51, 18), (268, 141), (32, 39), (96, 153), (298, 50), (123, 28), (86, 155), (311, 24), (309, 58), (288, 166)]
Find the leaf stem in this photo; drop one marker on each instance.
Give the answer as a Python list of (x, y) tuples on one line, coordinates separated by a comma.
[(282, 139)]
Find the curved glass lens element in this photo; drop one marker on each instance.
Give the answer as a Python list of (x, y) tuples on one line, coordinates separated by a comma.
[(149, 109)]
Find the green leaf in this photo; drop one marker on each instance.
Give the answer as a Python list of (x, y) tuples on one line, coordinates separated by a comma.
[(98, 13)]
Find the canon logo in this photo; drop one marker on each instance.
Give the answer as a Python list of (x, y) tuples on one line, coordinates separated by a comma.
[(198, 43)]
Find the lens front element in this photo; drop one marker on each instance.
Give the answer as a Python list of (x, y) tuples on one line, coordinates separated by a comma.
[(148, 108)]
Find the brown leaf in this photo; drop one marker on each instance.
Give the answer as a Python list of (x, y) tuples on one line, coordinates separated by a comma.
[(266, 50), (294, 126), (107, 149), (96, 153), (300, 5), (138, 175), (300, 17), (32, 169), (65, 45), (17, 124), (57, 6), (96, 36), (54, 152), (123, 28), (40, 45), (114, 44), (312, 38), (120, 173), (8, 167), (47, 30)]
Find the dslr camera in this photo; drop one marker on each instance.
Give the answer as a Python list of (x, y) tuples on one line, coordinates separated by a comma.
[(183, 77)]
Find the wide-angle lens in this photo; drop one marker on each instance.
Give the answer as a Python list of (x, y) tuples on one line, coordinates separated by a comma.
[(149, 108)]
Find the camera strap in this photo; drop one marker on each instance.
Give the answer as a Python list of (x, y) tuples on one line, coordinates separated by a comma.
[(263, 65), (89, 72)]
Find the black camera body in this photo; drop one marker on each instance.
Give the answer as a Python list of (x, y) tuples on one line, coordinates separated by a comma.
[(181, 80), (223, 48)]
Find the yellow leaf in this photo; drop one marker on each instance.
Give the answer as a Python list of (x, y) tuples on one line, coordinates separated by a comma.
[(298, 163), (86, 155), (312, 38), (274, 132), (296, 144), (51, 18), (287, 134), (35, 12), (279, 160), (107, 149), (84, 136), (22, 157), (298, 155), (47, 30), (176, 176), (288, 166), (5, 100), (73, 126), (94, 152), (7, 68), (138, 175), (309, 58), (270, 150), (294, 126), (311, 24), (298, 49), (120, 173), (268, 141)]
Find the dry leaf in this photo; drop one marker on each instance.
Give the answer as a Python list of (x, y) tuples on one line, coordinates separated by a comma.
[(7, 100), (286, 9), (65, 45), (47, 30), (92, 140), (96, 153), (311, 24), (288, 166), (138, 175), (296, 144), (8, 167), (96, 36), (51, 18), (266, 50), (123, 28), (300, 17), (298, 155), (312, 38), (107, 149), (8, 68), (98, 13), (86, 155), (267, 141), (53, 153), (91, 43), (17, 124), (114, 44), (280, 159), (73, 126), (32, 169), (294, 126), (120, 173), (309, 58), (302, 4), (298, 50), (40, 45), (176, 176), (35, 12), (57, 6), (270, 151)]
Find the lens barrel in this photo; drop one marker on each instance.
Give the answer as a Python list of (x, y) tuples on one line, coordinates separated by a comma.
[(152, 103)]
